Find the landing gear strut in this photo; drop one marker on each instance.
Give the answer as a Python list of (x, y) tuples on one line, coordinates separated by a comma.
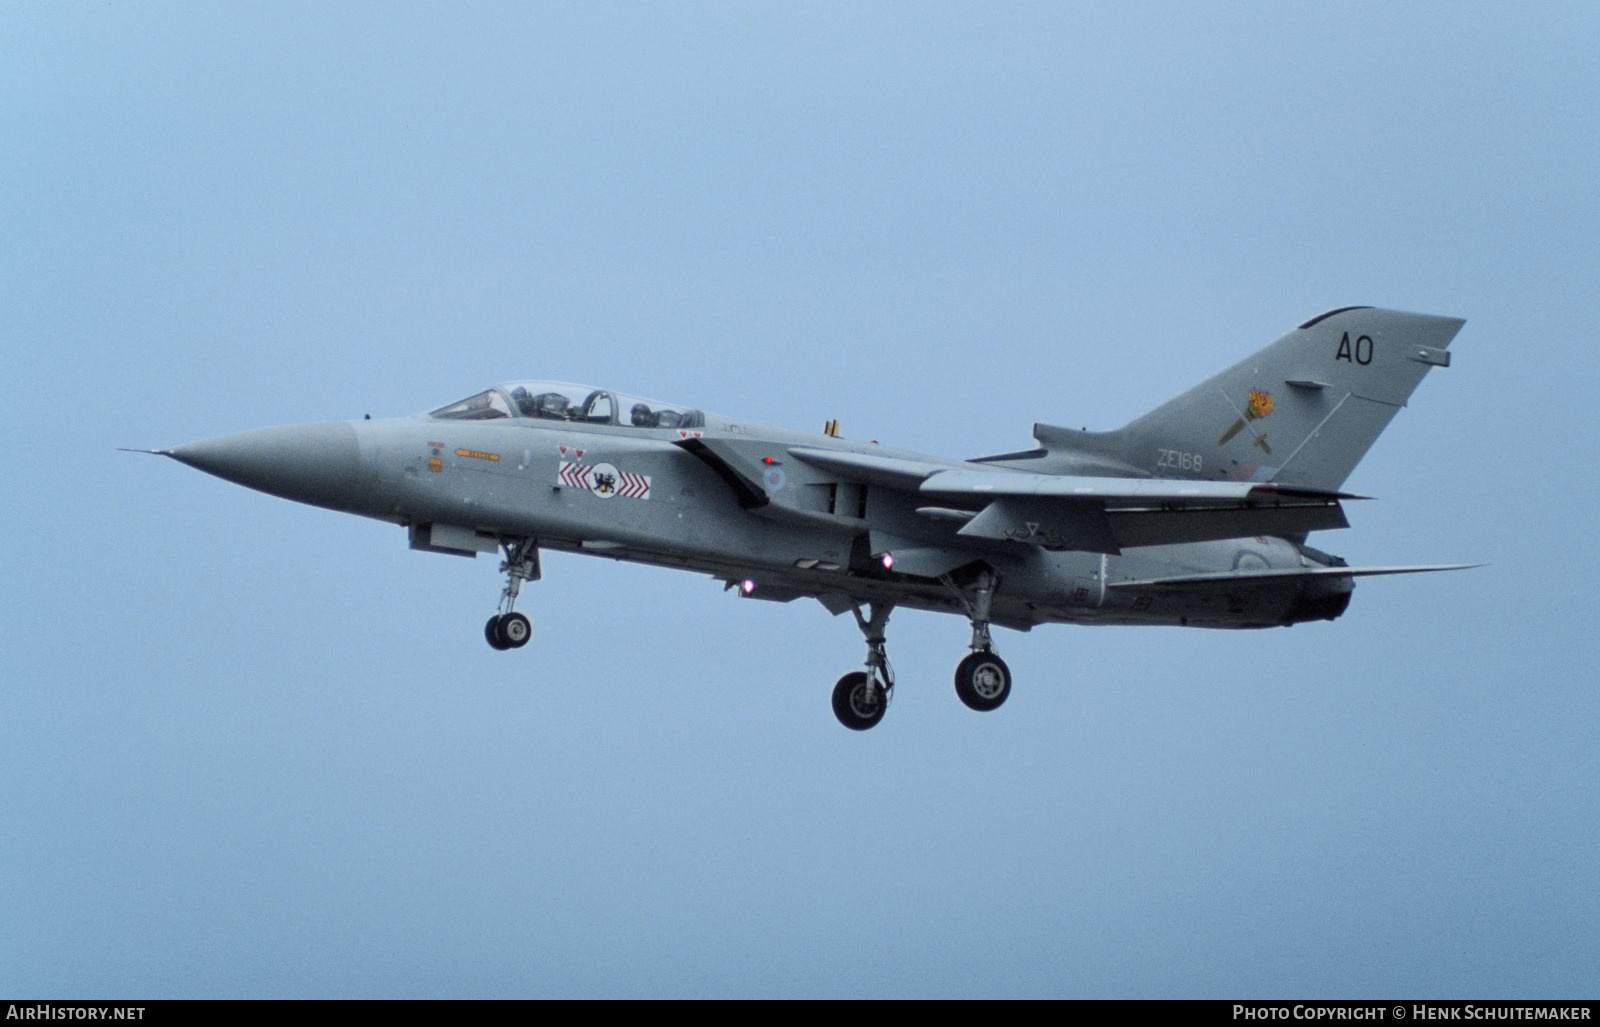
[(509, 629), (861, 698), (982, 679)]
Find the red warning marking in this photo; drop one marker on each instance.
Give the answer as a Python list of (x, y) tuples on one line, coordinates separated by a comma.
[(635, 486)]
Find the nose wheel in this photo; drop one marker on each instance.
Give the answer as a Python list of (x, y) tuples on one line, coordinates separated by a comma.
[(509, 629)]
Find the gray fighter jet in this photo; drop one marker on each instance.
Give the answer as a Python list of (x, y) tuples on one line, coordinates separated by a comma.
[(1195, 514)]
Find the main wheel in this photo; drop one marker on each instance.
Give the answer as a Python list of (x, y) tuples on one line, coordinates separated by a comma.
[(491, 631), (983, 680), (514, 630), (852, 706)]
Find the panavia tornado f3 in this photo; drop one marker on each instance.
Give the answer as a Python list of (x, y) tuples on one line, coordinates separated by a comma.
[(1195, 514)]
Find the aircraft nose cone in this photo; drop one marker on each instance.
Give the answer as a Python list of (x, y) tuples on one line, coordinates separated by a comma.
[(312, 463)]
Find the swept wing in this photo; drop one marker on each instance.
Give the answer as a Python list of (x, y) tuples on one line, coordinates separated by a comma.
[(1104, 515)]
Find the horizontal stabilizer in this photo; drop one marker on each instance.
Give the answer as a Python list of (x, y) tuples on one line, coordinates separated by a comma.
[(1191, 581)]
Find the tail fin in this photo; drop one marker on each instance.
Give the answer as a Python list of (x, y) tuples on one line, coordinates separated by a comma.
[(1303, 411)]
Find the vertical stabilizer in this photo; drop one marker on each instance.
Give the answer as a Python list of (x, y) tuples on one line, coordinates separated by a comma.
[(1303, 411)]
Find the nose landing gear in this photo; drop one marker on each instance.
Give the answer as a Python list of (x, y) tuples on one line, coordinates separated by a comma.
[(509, 629)]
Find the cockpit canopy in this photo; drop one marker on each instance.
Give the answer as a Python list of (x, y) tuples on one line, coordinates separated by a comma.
[(563, 401)]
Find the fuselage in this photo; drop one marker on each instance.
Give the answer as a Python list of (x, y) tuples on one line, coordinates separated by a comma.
[(781, 528), (1194, 514)]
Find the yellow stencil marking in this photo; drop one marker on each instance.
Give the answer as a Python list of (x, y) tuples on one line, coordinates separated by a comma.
[(477, 455)]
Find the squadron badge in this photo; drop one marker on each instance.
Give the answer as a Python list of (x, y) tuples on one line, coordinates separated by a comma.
[(604, 480)]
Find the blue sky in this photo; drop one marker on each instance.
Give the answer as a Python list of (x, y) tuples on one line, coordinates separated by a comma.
[(258, 749)]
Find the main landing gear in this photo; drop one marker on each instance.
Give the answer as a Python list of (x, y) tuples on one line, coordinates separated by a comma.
[(861, 698), (983, 681), (509, 629)]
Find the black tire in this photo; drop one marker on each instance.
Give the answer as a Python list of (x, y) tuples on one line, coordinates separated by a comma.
[(491, 631), (849, 707), (514, 630), (983, 681)]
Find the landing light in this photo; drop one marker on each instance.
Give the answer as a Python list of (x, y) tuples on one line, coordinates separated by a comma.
[(747, 586), (887, 559)]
